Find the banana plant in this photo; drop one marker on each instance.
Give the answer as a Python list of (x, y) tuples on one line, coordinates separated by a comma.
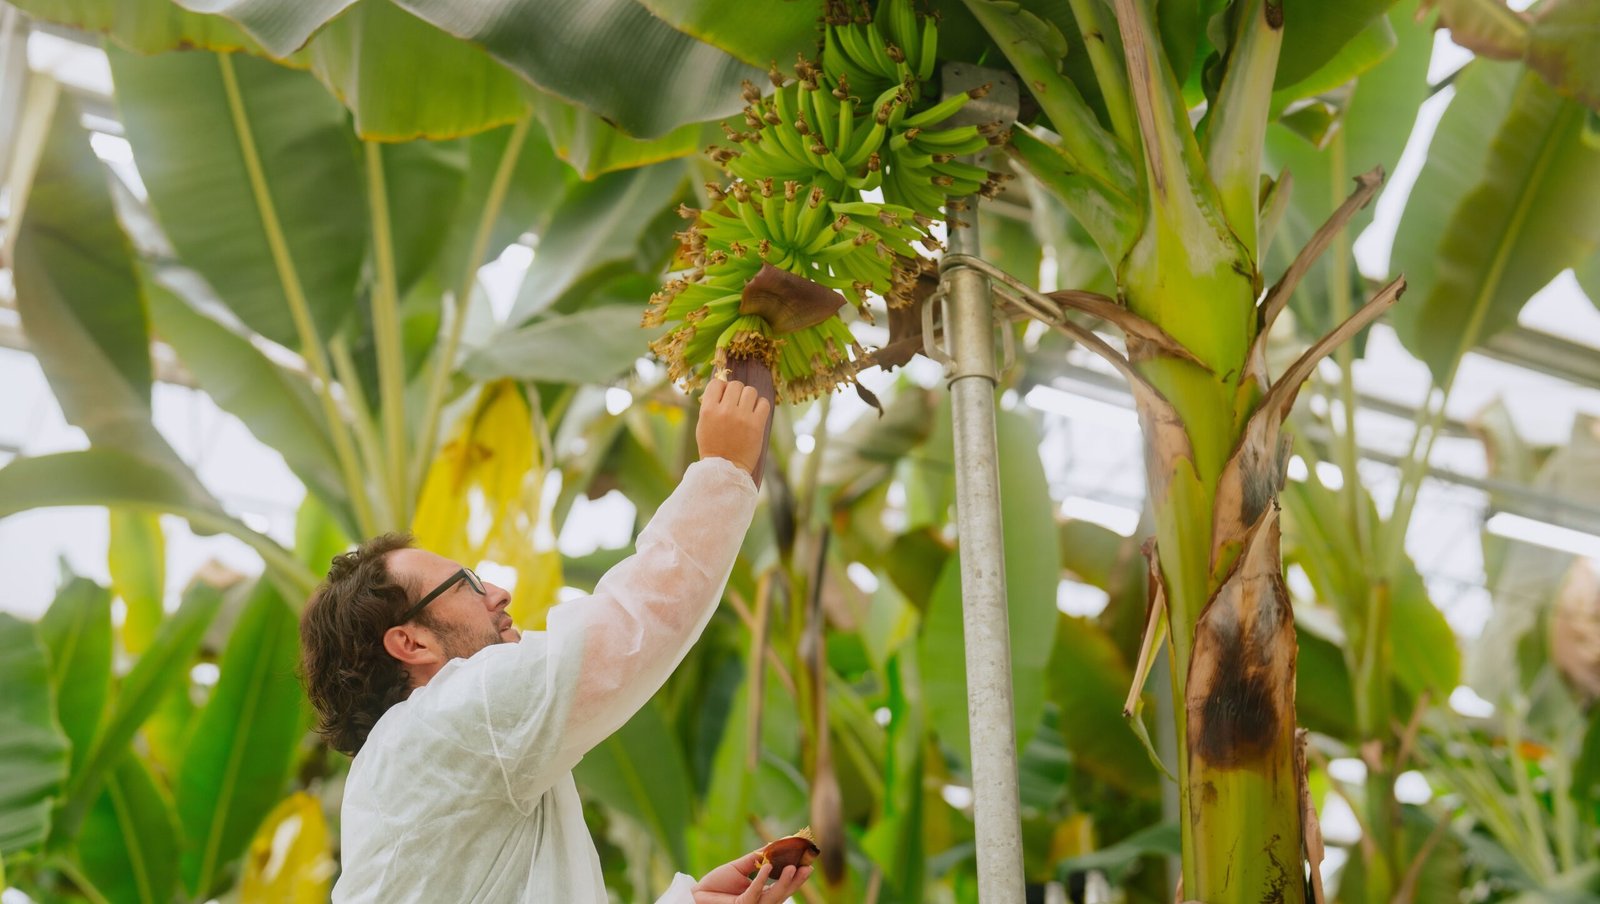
[(1178, 204)]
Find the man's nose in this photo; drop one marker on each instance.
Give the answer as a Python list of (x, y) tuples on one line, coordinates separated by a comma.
[(498, 597)]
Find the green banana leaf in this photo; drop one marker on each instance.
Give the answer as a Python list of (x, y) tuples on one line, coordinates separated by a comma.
[(640, 771), (243, 743), (757, 33), (136, 558), (575, 49), (143, 26), (161, 670), (594, 147), (568, 47), (1314, 32), (1426, 654), (596, 230), (282, 28), (895, 841), (1374, 122), (1561, 48), (31, 742), (79, 299), (253, 173), (108, 477), (1033, 571), (128, 846), (591, 346), (1509, 197), (1088, 680), (277, 405), (370, 58), (76, 631)]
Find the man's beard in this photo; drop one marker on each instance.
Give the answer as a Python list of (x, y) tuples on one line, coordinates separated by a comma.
[(461, 643)]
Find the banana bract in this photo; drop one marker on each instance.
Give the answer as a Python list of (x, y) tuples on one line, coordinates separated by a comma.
[(862, 119)]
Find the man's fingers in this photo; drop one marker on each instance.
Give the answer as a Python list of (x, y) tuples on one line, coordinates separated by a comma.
[(748, 398), (780, 890), (714, 392), (753, 894)]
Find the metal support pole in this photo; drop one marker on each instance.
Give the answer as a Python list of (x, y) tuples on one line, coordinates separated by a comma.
[(969, 323)]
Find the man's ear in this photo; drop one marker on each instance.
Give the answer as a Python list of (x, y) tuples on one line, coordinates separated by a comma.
[(411, 644)]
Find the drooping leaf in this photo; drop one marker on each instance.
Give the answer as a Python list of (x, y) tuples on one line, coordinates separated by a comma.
[(277, 405), (596, 227), (1488, 28), (244, 159), (369, 57), (107, 477), (1032, 569), (1315, 32), (1509, 197), (76, 632), (137, 560), (143, 26), (80, 300), (1561, 46), (640, 771), (756, 33), (591, 346), (31, 743), (575, 48), (289, 861), (243, 742), (128, 846), (1369, 48), (281, 28), (594, 147)]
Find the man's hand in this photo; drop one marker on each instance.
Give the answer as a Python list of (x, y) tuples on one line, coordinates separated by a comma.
[(733, 423), (731, 882)]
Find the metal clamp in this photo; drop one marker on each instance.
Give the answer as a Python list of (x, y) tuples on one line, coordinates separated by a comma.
[(933, 349)]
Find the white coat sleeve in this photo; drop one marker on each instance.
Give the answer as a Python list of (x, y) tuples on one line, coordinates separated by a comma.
[(534, 708), (681, 891)]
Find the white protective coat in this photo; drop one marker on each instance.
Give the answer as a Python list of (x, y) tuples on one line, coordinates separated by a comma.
[(464, 791)]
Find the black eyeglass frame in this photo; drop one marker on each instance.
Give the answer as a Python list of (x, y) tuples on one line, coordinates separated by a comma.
[(465, 574)]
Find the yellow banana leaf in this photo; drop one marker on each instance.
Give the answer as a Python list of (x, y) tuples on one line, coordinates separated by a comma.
[(482, 499), (289, 862)]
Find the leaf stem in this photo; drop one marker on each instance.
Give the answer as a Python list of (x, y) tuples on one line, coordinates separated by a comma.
[(386, 336), (445, 361), (294, 294)]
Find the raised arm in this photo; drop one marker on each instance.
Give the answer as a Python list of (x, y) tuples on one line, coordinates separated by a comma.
[(651, 607)]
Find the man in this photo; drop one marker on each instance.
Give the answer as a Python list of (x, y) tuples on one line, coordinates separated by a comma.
[(465, 732)]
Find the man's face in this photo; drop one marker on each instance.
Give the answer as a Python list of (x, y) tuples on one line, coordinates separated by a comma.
[(461, 620)]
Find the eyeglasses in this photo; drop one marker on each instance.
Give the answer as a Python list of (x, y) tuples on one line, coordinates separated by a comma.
[(465, 574)]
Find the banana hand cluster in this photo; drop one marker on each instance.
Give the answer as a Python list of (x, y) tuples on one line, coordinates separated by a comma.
[(853, 122)]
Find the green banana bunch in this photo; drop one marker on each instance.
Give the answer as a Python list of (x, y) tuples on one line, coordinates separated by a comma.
[(814, 155)]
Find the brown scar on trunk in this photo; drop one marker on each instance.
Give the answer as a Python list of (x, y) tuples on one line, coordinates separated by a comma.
[(1240, 694), (1256, 471)]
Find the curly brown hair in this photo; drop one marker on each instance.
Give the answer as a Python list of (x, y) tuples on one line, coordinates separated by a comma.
[(349, 677)]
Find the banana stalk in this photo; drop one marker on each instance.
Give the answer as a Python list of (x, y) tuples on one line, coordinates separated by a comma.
[(1177, 216)]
